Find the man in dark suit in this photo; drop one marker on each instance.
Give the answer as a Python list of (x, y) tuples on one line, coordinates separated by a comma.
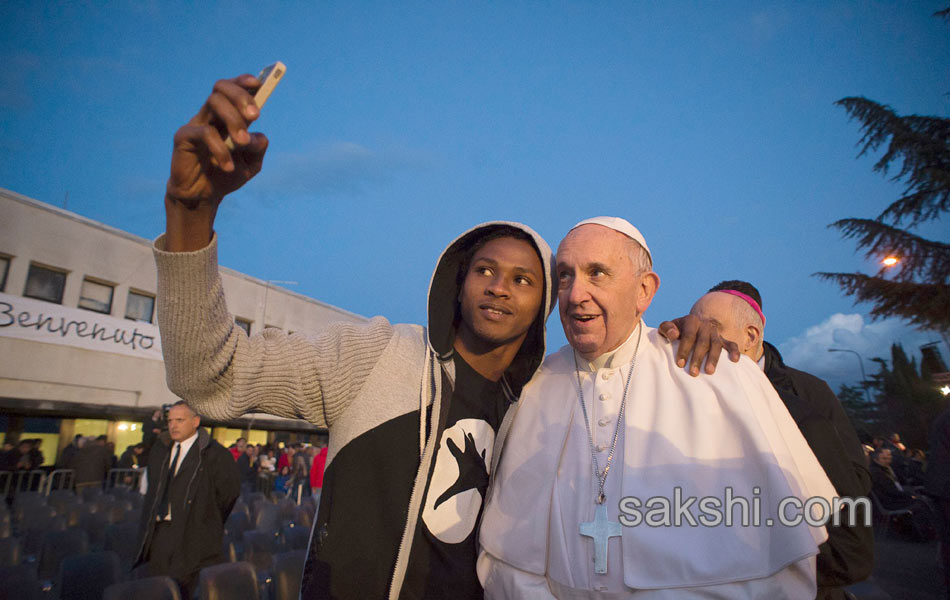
[(192, 485), (735, 308)]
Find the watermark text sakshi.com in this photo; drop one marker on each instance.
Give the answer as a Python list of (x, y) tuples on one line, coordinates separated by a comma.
[(713, 511)]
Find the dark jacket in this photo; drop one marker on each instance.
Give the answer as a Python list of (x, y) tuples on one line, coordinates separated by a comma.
[(848, 555), (379, 388), (92, 463), (886, 488), (201, 496), (938, 464), (128, 460)]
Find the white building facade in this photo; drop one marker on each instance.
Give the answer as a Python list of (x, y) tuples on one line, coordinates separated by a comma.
[(78, 334)]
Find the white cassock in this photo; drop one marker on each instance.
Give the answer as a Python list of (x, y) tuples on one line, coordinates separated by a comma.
[(701, 435)]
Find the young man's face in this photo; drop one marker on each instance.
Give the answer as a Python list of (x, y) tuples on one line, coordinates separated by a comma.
[(502, 292)]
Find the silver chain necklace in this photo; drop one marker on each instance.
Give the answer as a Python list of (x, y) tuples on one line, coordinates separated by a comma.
[(601, 529), (602, 476)]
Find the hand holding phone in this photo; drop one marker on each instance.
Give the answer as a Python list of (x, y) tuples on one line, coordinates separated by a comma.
[(269, 77), (204, 167)]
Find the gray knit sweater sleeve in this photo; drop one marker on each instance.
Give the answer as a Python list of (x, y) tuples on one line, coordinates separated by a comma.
[(222, 373)]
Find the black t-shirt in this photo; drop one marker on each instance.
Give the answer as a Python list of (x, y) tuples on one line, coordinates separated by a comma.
[(442, 561)]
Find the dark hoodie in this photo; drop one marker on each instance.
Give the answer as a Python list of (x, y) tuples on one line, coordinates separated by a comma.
[(384, 392), (370, 537)]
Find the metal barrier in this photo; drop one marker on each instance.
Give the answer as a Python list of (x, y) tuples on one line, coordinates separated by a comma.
[(265, 483), (124, 478), (6, 480), (36, 476), (65, 480)]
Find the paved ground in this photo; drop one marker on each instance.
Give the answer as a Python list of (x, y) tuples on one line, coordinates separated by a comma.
[(903, 570)]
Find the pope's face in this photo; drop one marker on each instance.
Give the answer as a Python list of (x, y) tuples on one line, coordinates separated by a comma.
[(501, 294), (600, 295)]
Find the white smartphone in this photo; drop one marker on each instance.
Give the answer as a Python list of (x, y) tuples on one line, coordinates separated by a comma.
[(269, 77)]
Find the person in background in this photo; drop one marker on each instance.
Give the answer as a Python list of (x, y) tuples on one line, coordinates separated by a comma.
[(316, 470), (267, 460), (285, 456), (894, 496), (68, 455), (92, 463), (36, 455), (8, 456), (300, 466), (131, 458), (915, 465), (192, 486), (110, 448), (283, 480), (247, 469), (893, 442), (151, 429), (237, 449)]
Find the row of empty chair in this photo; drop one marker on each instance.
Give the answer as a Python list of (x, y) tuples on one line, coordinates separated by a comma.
[(75, 545)]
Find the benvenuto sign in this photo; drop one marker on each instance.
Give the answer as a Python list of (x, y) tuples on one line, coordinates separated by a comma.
[(38, 321)]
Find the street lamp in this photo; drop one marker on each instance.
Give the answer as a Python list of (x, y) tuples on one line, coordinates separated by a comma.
[(864, 376), (890, 261)]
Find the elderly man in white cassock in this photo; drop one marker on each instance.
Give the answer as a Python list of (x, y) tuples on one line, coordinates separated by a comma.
[(612, 439)]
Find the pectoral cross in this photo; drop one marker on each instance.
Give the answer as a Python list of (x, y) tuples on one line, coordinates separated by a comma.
[(600, 530)]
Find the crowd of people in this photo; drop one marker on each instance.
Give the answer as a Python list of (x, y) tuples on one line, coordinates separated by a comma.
[(899, 482), (25, 455), (280, 468)]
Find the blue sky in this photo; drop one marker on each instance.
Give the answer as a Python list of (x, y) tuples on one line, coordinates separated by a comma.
[(710, 126)]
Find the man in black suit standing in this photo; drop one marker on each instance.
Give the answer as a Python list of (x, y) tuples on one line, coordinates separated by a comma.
[(192, 485)]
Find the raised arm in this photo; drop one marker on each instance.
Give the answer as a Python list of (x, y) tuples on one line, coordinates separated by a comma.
[(211, 363), (203, 170)]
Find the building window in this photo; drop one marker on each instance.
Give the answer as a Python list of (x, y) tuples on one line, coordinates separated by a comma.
[(139, 307), (45, 284), (96, 296), (4, 269), (243, 324)]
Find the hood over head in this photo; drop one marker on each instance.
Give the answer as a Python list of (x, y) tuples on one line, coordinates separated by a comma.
[(445, 287)]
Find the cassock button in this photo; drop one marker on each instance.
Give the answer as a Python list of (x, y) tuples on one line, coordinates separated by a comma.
[(604, 397), (605, 375), (604, 421), (601, 448)]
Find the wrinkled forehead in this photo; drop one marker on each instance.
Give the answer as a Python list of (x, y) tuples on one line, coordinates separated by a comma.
[(594, 241), (181, 411), (714, 304)]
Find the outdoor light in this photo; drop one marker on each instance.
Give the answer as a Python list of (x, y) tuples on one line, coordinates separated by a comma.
[(945, 390), (123, 427), (890, 261)]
